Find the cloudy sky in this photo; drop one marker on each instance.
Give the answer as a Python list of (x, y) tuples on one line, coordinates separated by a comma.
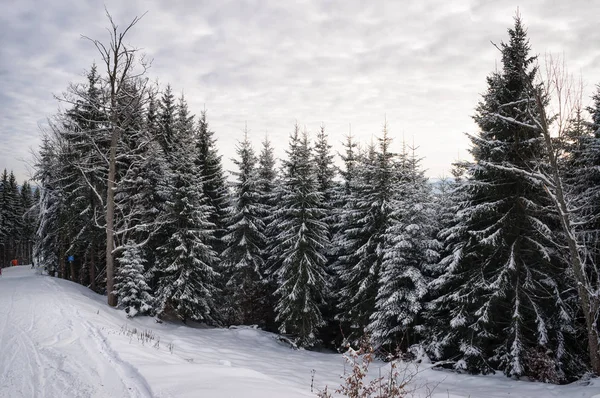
[(420, 64)]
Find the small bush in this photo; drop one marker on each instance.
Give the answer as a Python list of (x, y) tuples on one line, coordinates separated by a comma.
[(396, 384)]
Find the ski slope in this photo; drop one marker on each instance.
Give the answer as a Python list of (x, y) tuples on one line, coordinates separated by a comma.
[(58, 339)]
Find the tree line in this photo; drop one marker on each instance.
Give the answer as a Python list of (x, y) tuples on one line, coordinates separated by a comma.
[(495, 268), (18, 219)]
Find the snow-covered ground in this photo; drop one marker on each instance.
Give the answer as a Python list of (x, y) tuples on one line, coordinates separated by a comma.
[(58, 339)]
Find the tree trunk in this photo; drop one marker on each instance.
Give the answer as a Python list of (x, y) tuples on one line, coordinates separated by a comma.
[(119, 60), (110, 218), (93, 267), (61, 261), (72, 269)]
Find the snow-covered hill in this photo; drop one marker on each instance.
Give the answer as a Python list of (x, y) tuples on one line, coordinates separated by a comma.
[(58, 339)]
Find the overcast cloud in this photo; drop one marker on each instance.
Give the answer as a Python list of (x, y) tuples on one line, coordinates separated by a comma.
[(420, 64)]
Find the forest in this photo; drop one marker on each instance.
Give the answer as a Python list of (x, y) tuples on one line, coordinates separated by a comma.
[(495, 268)]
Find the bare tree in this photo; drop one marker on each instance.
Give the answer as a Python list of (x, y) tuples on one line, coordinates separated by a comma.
[(123, 70), (557, 88)]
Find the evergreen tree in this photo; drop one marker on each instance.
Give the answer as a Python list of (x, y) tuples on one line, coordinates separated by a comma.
[(324, 168), (208, 163), (267, 190), (243, 261), (166, 120), (362, 242), (131, 287), (84, 152), (143, 184), (4, 223), (29, 222), (187, 276), (582, 176), (350, 159), (48, 247), (409, 251), (300, 246), (340, 226), (503, 292)]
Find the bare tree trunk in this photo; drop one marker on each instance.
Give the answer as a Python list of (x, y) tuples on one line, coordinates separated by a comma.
[(62, 269), (110, 219), (119, 61), (93, 267)]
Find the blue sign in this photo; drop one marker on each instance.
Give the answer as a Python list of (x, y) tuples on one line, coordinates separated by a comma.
[(71, 259)]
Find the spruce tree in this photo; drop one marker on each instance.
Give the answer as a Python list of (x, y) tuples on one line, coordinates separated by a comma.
[(409, 251), (245, 239), (300, 246), (131, 286), (362, 241), (503, 292), (208, 163), (324, 167), (84, 153), (47, 249), (582, 176), (29, 219), (4, 218), (187, 277), (166, 120), (267, 184)]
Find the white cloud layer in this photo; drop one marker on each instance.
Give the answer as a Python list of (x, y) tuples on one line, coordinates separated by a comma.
[(420, 64)]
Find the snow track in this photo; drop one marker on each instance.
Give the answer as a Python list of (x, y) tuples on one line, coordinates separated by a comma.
[(47, 349)]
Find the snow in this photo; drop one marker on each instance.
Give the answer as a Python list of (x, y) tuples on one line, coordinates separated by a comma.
[(59, 339)]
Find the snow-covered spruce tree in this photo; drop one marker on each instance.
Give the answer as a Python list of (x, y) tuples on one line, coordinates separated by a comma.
[(131, 287), (342, 204), (165, 119), (582, 175), (187, 276), (160, 122), (242, 259), (361, 242), (85, 132), (501, 297), (324, 167), (67, 183), (325, 172), (11, 218), (582, 178), (208, 162), (16, 214), (48, 246), (2, 226), (29, 218), (300, 246), (449, 204), (556, 88), (267, 184), (410, 249), (5, 223), (143, 187)]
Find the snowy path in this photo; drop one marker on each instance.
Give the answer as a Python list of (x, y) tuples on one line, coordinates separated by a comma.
[(48, 350), (59, 339)]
